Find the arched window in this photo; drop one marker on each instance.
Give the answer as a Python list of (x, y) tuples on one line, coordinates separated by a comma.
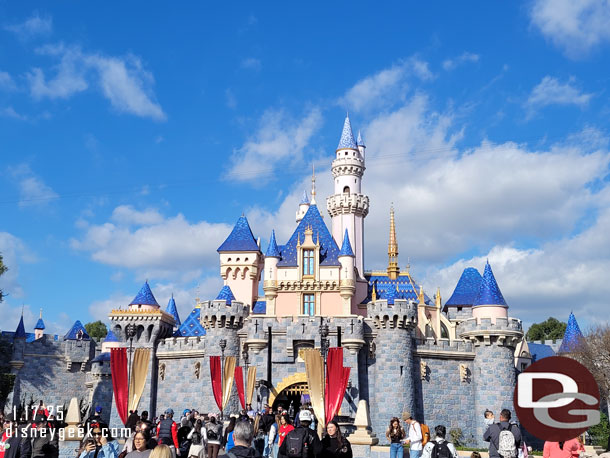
[(346, 190), (444, 332)]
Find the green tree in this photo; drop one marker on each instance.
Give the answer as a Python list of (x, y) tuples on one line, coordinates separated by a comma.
[(96, 329), (551, 329), (3, 269)]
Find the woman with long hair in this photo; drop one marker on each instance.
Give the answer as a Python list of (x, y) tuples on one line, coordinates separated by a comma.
[(285, 428), (100, 445), (334, 445), (396, 435), (140, 445), (196, 438), (213, 432)]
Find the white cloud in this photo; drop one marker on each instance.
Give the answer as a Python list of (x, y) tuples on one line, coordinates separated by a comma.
[(6, 82), (385, 87), (252, 63), (122, 80), (464, 58), (35, 25), (550, 91), (32, 189), (10, 112), (575, 26), (127, 215), (280, 139)]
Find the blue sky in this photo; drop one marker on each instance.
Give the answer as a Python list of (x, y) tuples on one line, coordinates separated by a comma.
[(133, 136)]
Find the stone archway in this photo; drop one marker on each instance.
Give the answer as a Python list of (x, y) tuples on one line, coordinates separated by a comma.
[(298, 378)]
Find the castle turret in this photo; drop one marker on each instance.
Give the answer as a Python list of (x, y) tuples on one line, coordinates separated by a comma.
[(173, 311), (241, 262), (494, 336), (272, 257), (347, 284), (39, 328), (394, 321), (572, 338), (348, 206), (303, 207)]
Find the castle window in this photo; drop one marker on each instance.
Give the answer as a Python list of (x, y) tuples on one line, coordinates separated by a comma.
[(444, 332), (308, 262), (309, 304), (346, 190)]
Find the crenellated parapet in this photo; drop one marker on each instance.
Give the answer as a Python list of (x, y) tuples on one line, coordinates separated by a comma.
[(484, 331), (402, 314), (185, 347), (217, 314), (338, 204)]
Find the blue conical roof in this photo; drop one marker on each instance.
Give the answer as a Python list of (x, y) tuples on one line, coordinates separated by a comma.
[(73, 333), (144, 297), (226, 294), (272, 250), (489, 292), (346, 248), (572, 337), (347, 136), (39, 324), (173, 311), (360, 141), (110, 337), (467, 288), (20, 331), (240, 238), (304, 199), (191, 326)]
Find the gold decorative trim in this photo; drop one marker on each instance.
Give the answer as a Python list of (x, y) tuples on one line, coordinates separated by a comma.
[(299, 377)]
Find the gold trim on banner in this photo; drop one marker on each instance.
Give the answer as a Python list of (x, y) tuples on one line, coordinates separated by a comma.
[(227, 380), (250, 382), (137, 381), (314, 368)]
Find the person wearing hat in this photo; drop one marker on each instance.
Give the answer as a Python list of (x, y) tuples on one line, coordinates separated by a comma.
[(95, 419), (302, 442), (167, 432), (414, 436)]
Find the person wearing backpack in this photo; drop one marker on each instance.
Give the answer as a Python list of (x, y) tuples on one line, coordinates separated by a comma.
[(439, 447), (167, 432), (301, 442), (425, 434), (213, 435), (414, 436), (504, 437)]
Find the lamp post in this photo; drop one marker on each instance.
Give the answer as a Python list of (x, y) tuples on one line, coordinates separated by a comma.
[(223, 345), (245, 356), (130, 332)]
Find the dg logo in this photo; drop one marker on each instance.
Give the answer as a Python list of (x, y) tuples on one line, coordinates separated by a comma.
[(557, 399)]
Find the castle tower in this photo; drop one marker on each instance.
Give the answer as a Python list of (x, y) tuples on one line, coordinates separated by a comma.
[(394, 321), (347, 286), (173, 311), (348, 206), (39, 328), (303, 207), (272, 257), (494, 336), (241, 262), (222, 319), (572, 338), (393, 269), (151, 324)]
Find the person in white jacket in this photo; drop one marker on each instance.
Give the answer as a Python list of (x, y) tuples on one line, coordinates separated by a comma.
[(439, 447), (414, 436), (274, 437)]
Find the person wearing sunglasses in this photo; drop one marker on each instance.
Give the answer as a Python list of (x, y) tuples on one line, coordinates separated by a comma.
[(100, 445)]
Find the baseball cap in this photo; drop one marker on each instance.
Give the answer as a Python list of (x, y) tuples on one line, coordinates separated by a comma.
[(169, 412), (185, 411), (305, 415), (98, 409)]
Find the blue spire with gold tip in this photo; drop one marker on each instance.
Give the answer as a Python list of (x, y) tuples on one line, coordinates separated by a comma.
[(240, 238), (39, 323), (144, 296), (20, 331), (77, 332), (226, 294), (173, 311), (360, 141), (346, 247), (272, 250), (304, 199), (489, 292), (572, 337), (347, 136)]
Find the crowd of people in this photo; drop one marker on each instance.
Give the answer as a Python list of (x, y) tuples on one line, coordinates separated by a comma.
[(251, 434)]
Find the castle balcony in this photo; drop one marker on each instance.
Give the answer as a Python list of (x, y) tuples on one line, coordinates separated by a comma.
[(338, 204), (348, 165)]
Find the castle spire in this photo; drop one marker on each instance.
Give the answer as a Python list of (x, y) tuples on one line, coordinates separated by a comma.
[(347, 140), (393, 269), (313, 184)]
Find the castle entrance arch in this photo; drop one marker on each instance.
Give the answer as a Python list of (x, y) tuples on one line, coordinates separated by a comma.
[(290, 390)]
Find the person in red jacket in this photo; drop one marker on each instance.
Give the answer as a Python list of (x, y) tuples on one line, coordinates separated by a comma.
[(167, 432)]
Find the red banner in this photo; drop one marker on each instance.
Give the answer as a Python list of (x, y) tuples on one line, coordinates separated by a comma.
[(118, 368), (336, 382), (216, 372), (239, 383)]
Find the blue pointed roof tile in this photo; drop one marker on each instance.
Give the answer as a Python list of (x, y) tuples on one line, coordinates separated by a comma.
[(73, 333), (360, 141), (347, 136), (39, 324), (226, 294), (110, 337), (192, 326), (346, 247), (240, 238), (144, 297), (489, 292), (272, 250), (572, 337), (304, 199), (173, 311), (466, 290), (329, 251), (404, 287), (20, 331), (260, 307)]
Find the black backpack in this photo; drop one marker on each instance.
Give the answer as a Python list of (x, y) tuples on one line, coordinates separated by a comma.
[(297, 443), (441, 450), (212, 434)]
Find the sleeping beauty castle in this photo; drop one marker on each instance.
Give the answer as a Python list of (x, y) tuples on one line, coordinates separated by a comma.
[(445, 362)]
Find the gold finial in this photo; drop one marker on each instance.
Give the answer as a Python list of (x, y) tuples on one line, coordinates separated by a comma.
[(421, 297), (313, 184), (393, 269), (438, 297), (374, 294)]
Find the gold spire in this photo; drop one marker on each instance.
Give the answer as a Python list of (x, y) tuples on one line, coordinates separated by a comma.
[(313, 184), (421, 298), (438, 297), (41, 313), (393, 269), (374, 294)]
